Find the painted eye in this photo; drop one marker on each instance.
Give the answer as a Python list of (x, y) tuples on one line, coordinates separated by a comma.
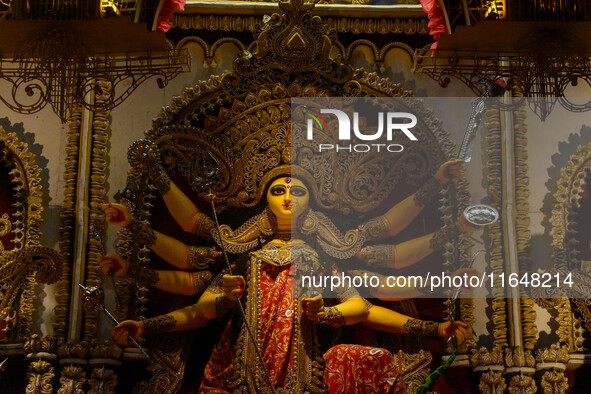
[(277, 190), (298, 191)]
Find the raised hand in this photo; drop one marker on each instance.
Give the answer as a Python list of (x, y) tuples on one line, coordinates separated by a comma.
[(313, 308), (461, 330), (128, 328), (117, 214), (466, 227), (450, 171), (233, 286), (113, 265)]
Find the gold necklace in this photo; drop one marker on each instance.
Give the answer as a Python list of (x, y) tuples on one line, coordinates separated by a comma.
[(283, 235)]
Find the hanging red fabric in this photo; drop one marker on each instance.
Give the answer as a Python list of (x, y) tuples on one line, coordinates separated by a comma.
[(168, 10), (436, 19)]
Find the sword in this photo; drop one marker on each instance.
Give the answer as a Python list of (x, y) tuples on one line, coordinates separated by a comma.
[(479, 107)]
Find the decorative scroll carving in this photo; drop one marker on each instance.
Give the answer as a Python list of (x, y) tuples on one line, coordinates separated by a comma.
[(103, 378), (73, 376), (40, 375), (554, 359), (483, 357), (28, 189), (346, 24), (68, 222), (102, 381), (555, 354), (568, 195), (41, 372), (26, 263), (565, 321), (5, 228), (492, 382), (72, 380), (566, 256), (522, 384), (522, 233), (518, 357), (23, 268), (554, 382)]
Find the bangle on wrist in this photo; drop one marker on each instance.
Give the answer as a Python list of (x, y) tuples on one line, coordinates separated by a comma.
[(444, 236), (332, 317), (422, 327), (379, 255), (159, 324), (200, 280), (202, 226), (201, 257), (427, 192), (148, 276), (160, 179), (223, 304), (375, 228), (141, 232)]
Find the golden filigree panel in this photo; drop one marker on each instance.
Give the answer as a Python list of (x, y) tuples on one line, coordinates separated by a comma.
[(27, 263)]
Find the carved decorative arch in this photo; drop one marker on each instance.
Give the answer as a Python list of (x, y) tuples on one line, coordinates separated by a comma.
[(242, 120), (25, 263), (570, 191)]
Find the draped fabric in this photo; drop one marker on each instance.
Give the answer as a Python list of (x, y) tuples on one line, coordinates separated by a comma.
[(287, 348), (168, 9), (361, 369), (436, 19)]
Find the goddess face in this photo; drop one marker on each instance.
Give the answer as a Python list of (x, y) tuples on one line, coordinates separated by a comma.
[(288, 198)]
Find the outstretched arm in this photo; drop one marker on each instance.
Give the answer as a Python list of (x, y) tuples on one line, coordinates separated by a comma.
[(209, 306), (387, 320), (186, 213), (182, 209), (173, 251), (410, 252), (403, 213), (175, 282), (350, 311), (190, 317)]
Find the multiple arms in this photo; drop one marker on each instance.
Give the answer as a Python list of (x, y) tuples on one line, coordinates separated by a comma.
[(403, 213), (412, 251), (173, 251), (210, 305), (175, 282)]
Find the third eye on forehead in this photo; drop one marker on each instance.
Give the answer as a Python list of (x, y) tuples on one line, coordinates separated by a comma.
[(279, 190)]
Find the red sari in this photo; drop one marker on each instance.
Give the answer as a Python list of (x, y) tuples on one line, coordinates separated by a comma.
[(288, 345)]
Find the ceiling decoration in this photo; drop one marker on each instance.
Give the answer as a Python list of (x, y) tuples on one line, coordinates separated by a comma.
[(542, 53), (58, 69)]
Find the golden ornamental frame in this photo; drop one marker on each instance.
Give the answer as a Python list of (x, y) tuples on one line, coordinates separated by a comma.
[(28, 263)]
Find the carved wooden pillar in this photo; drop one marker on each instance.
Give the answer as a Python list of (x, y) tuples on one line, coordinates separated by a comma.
[(73, 360), (552, 362), (521, 364), (490, 365), (41, 353), (104, 360)]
